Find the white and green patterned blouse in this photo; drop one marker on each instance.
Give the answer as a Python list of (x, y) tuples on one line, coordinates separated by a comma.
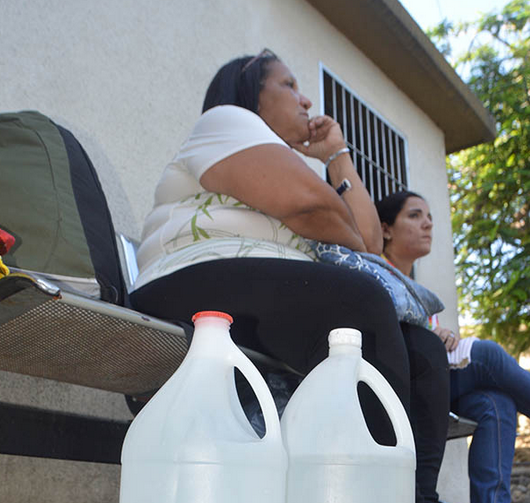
[(189, 225)]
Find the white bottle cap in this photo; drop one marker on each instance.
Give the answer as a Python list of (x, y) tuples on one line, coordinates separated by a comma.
[(350, 336)]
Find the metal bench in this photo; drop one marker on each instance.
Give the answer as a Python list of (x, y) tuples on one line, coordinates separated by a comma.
[(56, 335), (53, 334)]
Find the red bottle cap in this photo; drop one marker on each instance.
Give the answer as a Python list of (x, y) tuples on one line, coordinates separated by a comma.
[(6, 242), (218, 314)]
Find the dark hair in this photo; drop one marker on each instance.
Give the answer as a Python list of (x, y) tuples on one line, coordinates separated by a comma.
[(239, 83), (390, 206)]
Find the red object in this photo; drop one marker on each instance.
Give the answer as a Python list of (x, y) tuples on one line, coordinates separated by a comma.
[(6, 242), (217, 314)]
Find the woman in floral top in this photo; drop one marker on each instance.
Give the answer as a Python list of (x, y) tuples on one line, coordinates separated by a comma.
[(230, 226)]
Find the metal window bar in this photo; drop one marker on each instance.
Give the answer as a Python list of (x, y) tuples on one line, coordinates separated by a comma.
[(327, 83), (398, 160), (385, 161), (362, 135), (377, 195), (391, 169), (369, 130), (403, 162), (348, 124), (393, 163), (379, 152), (357, 124), (338, 105), (345, 121), (334, 98), (353, 123)]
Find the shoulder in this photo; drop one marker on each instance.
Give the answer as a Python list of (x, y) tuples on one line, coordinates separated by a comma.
[(228, 112), (226, 118), (221, 132)]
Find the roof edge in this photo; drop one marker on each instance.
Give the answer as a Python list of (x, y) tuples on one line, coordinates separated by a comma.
[(386, 33)]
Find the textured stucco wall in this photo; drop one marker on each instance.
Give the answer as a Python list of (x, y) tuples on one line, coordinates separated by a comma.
[(128, 78)]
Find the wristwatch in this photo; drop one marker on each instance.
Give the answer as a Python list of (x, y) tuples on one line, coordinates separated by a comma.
[(344, 186)]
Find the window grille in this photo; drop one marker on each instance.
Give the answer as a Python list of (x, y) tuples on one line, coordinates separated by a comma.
[(377, 149)]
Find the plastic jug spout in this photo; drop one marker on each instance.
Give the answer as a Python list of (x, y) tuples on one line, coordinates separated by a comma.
[(345, 340), (214, 319), (212, 332)]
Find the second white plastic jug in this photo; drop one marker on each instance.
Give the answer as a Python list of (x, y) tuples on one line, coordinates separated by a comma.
[(192, 442), (332, 455)]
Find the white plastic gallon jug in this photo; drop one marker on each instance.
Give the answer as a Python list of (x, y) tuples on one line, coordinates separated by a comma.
[(192, 442), (332, 455)]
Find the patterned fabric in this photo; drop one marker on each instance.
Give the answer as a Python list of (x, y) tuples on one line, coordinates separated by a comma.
[(413, 302)]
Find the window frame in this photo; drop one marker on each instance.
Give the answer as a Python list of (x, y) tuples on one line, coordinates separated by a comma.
[(367, 157)]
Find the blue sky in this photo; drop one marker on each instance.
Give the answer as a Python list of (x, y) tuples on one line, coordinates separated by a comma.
[(428, 13)]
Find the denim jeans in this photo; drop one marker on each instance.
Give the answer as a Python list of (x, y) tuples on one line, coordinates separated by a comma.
[(491, 390)]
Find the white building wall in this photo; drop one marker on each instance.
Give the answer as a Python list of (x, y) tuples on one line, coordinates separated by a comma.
[(127, 77)]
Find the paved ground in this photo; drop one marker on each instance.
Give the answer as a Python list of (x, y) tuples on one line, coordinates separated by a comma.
[(521, 476)]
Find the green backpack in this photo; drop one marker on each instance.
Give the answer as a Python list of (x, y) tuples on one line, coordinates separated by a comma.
[(51, 201)]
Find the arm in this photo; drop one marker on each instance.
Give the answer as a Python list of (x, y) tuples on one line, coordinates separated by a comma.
[(274, 180), (326, 139)]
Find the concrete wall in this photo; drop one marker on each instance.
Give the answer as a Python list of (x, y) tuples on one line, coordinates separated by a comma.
[(453, 481), (36, 480), (128, 77)]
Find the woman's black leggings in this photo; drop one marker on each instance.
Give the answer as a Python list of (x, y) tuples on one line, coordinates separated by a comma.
[(429, 405), (286, 309)]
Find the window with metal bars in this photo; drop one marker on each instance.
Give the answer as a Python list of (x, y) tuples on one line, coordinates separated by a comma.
[(378, 150)]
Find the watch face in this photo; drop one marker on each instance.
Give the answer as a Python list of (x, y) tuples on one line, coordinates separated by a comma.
[(344, 186)]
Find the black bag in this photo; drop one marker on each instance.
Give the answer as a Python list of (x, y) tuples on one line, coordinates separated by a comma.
[(51, 200)]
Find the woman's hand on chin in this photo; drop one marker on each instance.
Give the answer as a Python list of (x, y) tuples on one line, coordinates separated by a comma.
[(325, 138)]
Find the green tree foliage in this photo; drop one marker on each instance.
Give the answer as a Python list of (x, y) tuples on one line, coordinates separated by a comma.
[(490, 183)]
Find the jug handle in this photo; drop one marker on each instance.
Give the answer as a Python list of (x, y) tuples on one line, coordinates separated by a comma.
[(263, 394), (391, 402)]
